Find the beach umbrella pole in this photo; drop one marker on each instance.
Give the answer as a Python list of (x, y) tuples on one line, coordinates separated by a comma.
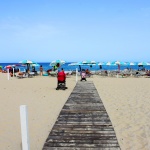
[(76, 75), (24, 127), (13, 72)]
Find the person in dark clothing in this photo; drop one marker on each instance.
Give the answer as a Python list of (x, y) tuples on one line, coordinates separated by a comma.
[(79, 68), (100, 66)]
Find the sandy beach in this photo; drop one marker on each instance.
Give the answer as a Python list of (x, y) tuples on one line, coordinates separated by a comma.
[(127, 101)]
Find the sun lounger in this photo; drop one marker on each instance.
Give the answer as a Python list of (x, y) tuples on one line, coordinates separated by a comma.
[(20, 75), (103, 73), (52, 73), (139, 73), (31, 74)]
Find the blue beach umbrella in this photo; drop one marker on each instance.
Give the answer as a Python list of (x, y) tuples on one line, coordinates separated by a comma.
[(106, 63), (110, 64), (56, 62), (27, 62), (101, 63), (75, 64), (143, 64), (80, 64), (119, 63), (131, 63), (89, 62)]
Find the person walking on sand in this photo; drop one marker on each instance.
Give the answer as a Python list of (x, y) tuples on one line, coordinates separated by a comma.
[(41, 70)]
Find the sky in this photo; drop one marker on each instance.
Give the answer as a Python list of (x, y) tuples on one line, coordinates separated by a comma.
[(74, 30)]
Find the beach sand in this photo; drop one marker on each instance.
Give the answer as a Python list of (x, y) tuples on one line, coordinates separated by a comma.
[(127, 101), (44, 105)]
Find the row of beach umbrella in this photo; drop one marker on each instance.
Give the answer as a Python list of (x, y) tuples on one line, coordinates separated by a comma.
[(110, 63), (29, 63)]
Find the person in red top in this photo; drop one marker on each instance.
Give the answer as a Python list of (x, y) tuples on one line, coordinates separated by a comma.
[(61, 76)]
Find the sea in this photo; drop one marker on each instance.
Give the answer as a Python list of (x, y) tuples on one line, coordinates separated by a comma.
[(46, 66)]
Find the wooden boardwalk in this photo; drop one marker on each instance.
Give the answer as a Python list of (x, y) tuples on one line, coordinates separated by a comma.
[(83, 123)]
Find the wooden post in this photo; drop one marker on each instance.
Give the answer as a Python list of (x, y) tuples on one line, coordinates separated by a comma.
[(8, 74), (117, 75), (76, 75), (24, 127)]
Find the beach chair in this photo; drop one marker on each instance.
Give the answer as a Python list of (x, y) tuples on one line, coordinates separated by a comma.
[(31, 74), (52, 73), (112, 73), (19, 75), (136, 74), (103, 73)]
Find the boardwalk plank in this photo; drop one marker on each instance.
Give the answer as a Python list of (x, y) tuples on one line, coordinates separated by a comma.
[(92, 138), (79, 148), (58, 144), (84, 141)]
